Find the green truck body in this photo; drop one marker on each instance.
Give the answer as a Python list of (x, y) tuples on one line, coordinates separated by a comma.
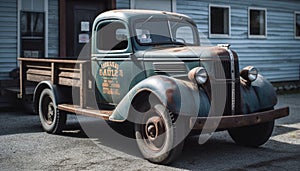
[(148, 68)]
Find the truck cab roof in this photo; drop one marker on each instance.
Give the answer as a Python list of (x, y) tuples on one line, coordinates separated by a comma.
[(129, 15)]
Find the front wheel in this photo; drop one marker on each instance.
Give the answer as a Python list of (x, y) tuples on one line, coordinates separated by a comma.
[(254, 135), (156, 135), (51, 118)]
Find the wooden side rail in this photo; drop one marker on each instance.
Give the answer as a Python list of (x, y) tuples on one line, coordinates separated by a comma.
[(73, 73)]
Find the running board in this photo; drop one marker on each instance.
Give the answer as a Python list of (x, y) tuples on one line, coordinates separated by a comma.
[(104, 114)]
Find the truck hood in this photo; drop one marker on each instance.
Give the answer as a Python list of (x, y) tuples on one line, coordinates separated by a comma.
[(176, 61), (185, 52)]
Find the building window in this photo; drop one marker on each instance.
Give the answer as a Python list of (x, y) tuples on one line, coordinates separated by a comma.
[(297, 25), (219, 21), (257, 23), (32, 24), (32, 28), (32, 34)]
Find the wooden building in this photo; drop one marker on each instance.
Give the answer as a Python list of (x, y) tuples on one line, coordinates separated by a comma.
[(264, 33)]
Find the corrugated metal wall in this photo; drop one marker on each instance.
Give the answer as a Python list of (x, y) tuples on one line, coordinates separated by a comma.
[(8, 37), (53, 28), (277, 56)]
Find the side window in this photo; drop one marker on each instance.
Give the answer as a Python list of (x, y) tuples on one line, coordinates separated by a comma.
[(185, 35), (112, 36), (297, 25), (219, 21), (257, 23)]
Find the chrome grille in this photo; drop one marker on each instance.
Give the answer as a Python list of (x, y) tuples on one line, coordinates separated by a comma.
[(222, 69), (170, 68)]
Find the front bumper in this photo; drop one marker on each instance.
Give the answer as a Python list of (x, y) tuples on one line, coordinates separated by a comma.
[(233, 121)]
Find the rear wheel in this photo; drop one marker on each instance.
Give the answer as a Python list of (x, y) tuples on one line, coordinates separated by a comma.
[(254, 135), (157, 136), (51, 118)]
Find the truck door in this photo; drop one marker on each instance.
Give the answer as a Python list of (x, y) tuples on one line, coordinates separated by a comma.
[(114, 67)]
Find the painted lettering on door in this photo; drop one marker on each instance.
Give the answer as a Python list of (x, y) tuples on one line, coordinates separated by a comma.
[(110, 73)]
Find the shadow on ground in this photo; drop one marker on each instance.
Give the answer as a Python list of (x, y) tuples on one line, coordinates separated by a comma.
[(218, 153)]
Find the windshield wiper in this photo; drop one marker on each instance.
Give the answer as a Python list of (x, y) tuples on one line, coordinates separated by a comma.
[(180, 19), (146, 21)]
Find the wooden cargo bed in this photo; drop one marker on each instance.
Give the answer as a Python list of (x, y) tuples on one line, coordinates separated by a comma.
[(65, 72)]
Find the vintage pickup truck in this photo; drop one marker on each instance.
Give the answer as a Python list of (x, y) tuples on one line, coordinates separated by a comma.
[(147, 68)]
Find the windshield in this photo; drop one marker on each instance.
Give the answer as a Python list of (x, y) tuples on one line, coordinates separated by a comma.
[(155, 31)]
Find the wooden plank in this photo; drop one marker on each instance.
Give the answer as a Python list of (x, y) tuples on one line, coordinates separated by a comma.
[(82, 89), (22, 80), (68, 82), (104, 114), (69, 74), (71, 61), (38, 78), (38, 72)]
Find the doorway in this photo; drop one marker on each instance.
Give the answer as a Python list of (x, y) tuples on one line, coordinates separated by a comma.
[(76, 25)]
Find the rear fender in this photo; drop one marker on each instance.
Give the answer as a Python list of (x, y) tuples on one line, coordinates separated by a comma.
[(180, 97), (61, 94)]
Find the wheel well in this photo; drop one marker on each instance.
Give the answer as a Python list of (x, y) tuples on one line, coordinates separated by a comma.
[(138, 102), (141, 104)]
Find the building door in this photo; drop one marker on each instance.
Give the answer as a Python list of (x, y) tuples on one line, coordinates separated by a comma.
[(79, 18)]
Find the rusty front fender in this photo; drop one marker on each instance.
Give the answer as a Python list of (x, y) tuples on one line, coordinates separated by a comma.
[(259, 96), (180, 97)]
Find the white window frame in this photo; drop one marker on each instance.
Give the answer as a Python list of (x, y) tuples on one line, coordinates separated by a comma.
[(211, 35), (173, 5), (295, 22), (19, 27), (266, 23)]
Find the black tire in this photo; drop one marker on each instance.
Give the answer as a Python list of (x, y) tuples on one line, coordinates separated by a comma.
[(254, 135), (53, 120), (157, 135)]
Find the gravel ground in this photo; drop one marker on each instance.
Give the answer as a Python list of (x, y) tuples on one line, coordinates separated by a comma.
[(24, 146)]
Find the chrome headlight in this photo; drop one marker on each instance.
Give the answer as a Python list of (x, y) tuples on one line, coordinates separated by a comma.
[(198, 74), (249, 73)]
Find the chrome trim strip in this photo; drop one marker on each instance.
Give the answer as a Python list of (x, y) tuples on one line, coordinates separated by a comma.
[(233, 81)]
